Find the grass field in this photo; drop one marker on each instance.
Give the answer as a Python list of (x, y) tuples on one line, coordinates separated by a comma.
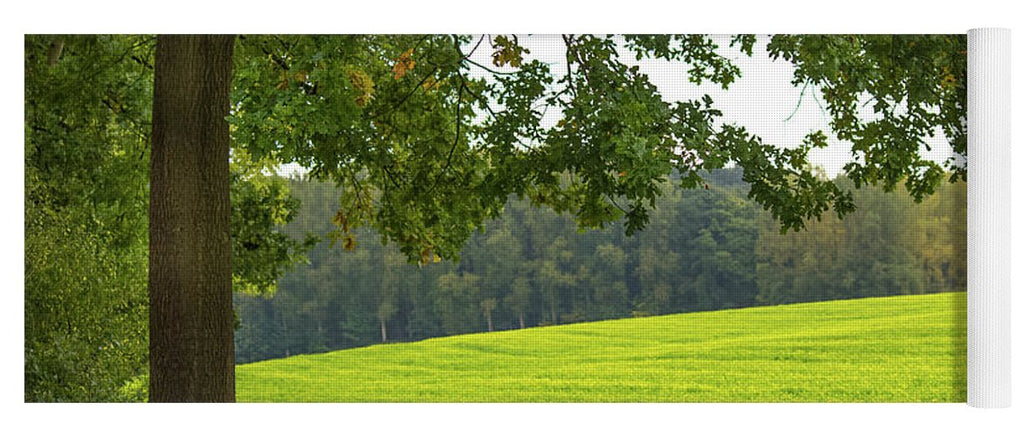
[(894, 349)]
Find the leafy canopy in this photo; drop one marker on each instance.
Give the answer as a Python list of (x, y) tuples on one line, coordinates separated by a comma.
[(425, 151)]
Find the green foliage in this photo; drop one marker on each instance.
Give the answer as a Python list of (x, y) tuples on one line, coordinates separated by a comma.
[(715, 237), (403, 161), (891, 245), (508, 51), (874, 350), (697, 51), (85, 312), (916, 84), (260, 205), (86, 162)]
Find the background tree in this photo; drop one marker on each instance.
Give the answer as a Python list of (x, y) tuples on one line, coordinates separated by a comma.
[(519, 298), (611, 298), (456, 303), (556, 277), (488, 305), (391, 288)]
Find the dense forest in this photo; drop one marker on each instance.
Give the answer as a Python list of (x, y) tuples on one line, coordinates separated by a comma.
[(704, 249)]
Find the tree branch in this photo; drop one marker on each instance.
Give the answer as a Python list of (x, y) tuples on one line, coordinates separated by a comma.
[(458, 132), (488, 69), (474, 47), (401, 102)]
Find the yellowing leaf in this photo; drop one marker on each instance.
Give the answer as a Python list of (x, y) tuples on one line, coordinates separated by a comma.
[(425, 257), (341, 220), (363, 86), (403, 64), (507, 51), (284, 81), (429, 83)]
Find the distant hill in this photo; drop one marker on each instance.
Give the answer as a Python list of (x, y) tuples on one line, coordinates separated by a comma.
[(891, 349)]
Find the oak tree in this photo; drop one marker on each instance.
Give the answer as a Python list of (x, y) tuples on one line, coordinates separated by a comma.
[(424, 151)]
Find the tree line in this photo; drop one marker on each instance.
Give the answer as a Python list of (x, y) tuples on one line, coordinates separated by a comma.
[(704, 249)]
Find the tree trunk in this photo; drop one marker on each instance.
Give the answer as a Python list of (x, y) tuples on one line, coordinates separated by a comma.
[(490, 325), (522, 323), (191, 349), (383, 331)]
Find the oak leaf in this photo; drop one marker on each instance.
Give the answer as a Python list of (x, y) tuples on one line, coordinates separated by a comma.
[(403, 64)]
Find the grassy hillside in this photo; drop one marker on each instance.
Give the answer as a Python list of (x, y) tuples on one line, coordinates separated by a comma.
[(895, 349)]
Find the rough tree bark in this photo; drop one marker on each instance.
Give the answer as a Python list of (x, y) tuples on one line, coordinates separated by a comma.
[(191, 349)]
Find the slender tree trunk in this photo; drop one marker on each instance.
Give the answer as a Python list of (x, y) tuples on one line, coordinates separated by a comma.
[(522, 323), (383, 331), (490, 325), (191, 349)]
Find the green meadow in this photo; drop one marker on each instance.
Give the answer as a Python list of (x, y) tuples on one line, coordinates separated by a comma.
[(892, 349)]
